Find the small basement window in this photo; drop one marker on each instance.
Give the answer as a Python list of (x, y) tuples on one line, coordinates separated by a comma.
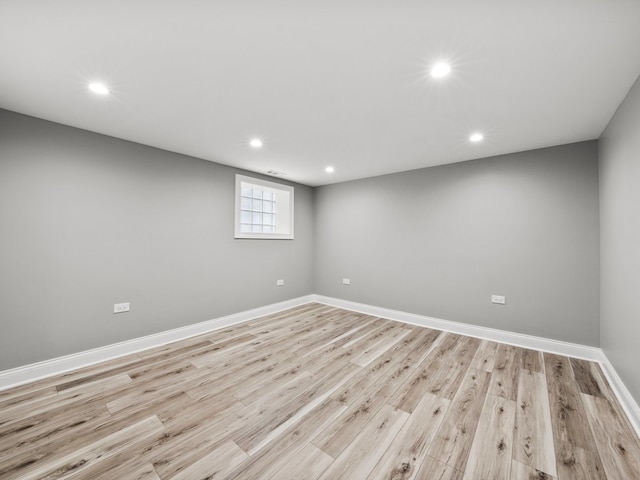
[(263, 209)]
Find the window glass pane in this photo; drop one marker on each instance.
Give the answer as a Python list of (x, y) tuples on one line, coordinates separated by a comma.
[(244, 228), (245, 203), (267, 219), (257, 218), (245, 191), (268, 229), (267, 206), (257, 193), (256, 228), (267, 196), (256, 205), (245, 217)]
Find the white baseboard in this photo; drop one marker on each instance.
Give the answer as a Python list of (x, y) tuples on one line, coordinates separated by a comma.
[(625, 398), (502, 336), (56, 366), (593, 354)]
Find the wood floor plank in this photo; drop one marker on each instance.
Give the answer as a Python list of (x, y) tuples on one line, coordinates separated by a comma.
[(127, 463), (440, 373), (485, 357), (585, 379), (618, 450), (308, 465), (321, 392), (95, 372), (446, 378), (576, 452), (295, 314), (520, 471), (398, 362), (408, 450), (185, 439), (308, 326), (18, 412), (216, 464), (187, 444), (455, 435), (163, 352), (372, 337), (23, 397), (171, 384), (45, 432), (377, 325), (146, 472), (132, 368), (531, 360), (52, 449), (217, 355), (368, 355), (504, 378), (92, 453), (285, 369), (96, 387), (533, 435), (268, 420), (354, 330), (361, 456), (368, 393), (432, 469), (275, 461), (491, 451)]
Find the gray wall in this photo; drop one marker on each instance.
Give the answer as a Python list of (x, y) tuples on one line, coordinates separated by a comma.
[(87, 221), (620, 240), (439, 241)]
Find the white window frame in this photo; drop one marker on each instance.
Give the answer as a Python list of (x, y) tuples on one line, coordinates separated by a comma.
[(284, 215)]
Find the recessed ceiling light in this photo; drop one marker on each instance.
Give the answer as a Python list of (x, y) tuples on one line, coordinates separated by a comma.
[(440, 70), (256, 143), (329, 169), (476, 137), (99, 88)]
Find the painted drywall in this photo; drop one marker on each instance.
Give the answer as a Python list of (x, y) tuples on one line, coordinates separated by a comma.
[(440, 241), (87, 221), (619, 156)]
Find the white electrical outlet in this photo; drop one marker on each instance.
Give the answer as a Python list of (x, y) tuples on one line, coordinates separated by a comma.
[(279, 283), (499, 299), (120, 307), (346, 281)]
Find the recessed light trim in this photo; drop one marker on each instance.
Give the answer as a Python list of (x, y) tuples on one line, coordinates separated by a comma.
[(99, 88), (256, 143), (440, 69), (329, 169)]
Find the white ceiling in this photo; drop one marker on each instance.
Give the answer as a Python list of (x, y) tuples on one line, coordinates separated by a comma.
[(323, 82)]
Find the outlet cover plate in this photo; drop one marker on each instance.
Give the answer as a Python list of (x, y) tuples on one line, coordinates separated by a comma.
[(120, 307), (499, 299)]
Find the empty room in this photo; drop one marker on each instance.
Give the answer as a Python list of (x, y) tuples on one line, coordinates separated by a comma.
[(320, 240)]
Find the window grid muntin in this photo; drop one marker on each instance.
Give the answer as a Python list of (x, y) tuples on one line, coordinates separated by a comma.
[(257, 210)]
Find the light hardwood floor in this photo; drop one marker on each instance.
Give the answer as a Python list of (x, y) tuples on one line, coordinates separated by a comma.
[(321, 393)]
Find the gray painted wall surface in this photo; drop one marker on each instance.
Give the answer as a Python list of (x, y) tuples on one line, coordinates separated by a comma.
[(87, 221), (439, 241), (620, 241)]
